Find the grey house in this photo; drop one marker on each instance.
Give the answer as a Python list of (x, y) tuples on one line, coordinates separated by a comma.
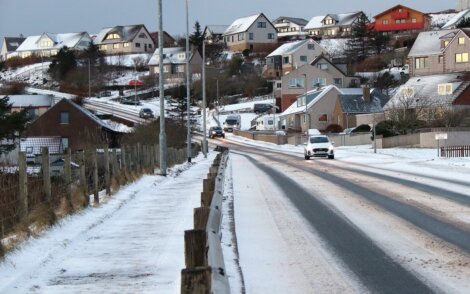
[(9, 46)]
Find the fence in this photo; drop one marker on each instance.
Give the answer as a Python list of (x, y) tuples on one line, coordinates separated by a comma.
[(65, 182), (455, 151), (205, 268)]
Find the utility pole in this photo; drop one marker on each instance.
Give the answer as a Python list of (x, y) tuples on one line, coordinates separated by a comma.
[(188, 93), (204, 142), (89, 79), (162, 136), (218, 103)]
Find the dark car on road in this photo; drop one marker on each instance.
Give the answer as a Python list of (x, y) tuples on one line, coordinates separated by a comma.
[(216, 132), (146, 113)]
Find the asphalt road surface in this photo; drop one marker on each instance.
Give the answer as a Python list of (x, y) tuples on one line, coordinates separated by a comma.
[(347, 227)]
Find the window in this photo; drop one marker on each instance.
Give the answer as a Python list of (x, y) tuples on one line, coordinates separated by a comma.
[(64, 142), (112, 36), (270, 36), (322, 66), (296, 83), (241, 37), (45, 43), (143, 36), (64, 117), (116, 46), (29, 150), (303, 58), (125, 45), (250, 36), (182, 56), (137, 45), (400, 20), (103, 47), (413, 20), (441, 59), (328, 21), (323, 117), (311, 46), (444, 89), (150, 45), (318, 82), (461, 40), (180, 68), (446, 43), (305, 118), (338, 81), (420, 62), (285, 60), (461, 57), (385, 21), (261, 24)]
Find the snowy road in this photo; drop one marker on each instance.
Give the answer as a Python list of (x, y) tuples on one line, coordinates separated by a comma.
[(131, 244), (361, 223)]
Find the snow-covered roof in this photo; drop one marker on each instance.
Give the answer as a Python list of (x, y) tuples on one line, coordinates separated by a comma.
[(424, 90), (288, 48), (438, 20), (33, 145), (217, 29), (12, 43), (126, 33), (242, 24), (295, 20), (355, 103), (453, 22), (70, 40), (21, 101), (428, 43), (172, 55), (315, 22)]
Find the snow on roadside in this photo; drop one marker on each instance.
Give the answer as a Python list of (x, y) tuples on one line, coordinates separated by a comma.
[(131, 244)]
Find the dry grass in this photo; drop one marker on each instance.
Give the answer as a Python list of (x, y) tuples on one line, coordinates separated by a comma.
[(64, 208), (79, 198), (115, 185), (42, 216)]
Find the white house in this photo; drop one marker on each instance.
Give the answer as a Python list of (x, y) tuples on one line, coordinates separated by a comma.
[(290, 28), (174, 62), (125, 40), (255, 33), (333, 25), (49, 44)]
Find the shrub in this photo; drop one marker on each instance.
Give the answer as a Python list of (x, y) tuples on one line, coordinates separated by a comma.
[(361, 128), (334, 128), (385, 128)]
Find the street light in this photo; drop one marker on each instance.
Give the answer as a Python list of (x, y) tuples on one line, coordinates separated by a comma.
[(306, 110), (162, 136), (188, 93)]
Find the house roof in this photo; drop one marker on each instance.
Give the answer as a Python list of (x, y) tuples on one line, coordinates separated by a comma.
[(60, 40), (33, 145), (342, 19), (428, 43), (91, 116), (395, 7), (288, 48), (452, 23), (296, 20), (322, 57), (154, 36), (126, 33), (22, 101), (315, 22), (355, 103), (242, 24), (12, 43), (426, 87), (217, 29), (170, 56)]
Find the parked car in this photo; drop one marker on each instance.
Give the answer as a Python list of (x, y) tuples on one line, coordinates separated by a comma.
[(129, 101), (216, 132), (319, 146), (146, 113), (262, 107)]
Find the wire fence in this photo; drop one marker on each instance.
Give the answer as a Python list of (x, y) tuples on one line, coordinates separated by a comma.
[(63, 183)]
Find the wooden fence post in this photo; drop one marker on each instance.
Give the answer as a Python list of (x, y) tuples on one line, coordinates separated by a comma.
[(96, 190), (196, 280), (23, 187), (68, 176), (107, 178), (46, 174), (83, 181), (123, 158), (195, 243), (115, 165)]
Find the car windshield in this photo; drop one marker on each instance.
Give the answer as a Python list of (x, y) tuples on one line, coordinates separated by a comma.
[(146, 110), (231, 121), (319, 140), (216, 128)]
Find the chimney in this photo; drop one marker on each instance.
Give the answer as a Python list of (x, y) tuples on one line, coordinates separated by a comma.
[(366, 92)]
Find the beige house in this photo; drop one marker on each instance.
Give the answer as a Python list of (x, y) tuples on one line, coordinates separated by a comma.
[(291, 56), (49, 44), (174, 63), (438, 52), (125, 40), (214, 33), (333, 25), (255, 33), (319, 73)]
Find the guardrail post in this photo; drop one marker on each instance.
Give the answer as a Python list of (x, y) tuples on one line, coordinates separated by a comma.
[(197, 280), (23, 187), (201, 216), (46, 174), (195, 243), (107, 178)]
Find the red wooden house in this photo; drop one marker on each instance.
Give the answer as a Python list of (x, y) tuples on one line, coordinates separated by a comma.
[(401, 19)]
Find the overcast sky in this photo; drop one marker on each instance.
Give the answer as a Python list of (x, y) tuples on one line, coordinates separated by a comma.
[(33, 17)]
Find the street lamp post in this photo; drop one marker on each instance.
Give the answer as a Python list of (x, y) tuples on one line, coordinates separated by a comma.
[(306, 110), (162, 136), (89, 79), (204, 142), (188, 93), (218, 103)]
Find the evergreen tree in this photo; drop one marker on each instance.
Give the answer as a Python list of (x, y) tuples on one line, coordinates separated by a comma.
[(63, 63), (464, 23), (11, 125), (197, 38), (357, 45)]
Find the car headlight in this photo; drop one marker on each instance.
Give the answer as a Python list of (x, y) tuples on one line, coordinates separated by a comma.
[(213, 132)]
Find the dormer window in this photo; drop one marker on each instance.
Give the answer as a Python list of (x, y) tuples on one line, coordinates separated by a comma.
[(143, 36), (45, 43), (329, 21), (446, 43), (322, 66), (112, 36), (182, 56)]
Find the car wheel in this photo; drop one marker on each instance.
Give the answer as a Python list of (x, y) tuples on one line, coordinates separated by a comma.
[(307, 157), (223, 136), (331, 157)]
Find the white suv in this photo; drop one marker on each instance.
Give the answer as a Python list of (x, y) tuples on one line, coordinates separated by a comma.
[(319, 145)]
